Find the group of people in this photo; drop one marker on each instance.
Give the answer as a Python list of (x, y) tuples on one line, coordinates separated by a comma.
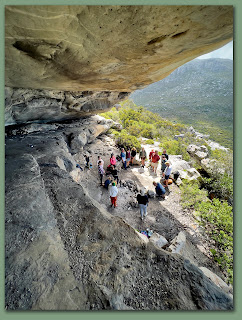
[(127, 157)]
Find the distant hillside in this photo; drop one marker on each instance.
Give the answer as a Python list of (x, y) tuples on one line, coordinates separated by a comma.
[(199, 93)]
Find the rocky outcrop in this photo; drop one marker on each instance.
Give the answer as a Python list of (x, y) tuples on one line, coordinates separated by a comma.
[(64, 251), (28, 105), (91, 57)]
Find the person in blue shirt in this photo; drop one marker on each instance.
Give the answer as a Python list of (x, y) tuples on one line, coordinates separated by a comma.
[(159, 189)]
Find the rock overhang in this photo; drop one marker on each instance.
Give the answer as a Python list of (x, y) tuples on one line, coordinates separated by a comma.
[(111, 49)]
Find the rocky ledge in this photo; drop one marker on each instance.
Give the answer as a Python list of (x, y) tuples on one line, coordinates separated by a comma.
[(65, 251)]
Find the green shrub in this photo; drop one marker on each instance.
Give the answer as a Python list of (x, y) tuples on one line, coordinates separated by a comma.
[(217, 220), (149, 141), (191, 194)]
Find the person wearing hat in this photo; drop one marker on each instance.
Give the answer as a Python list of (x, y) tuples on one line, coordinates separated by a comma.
[(113, 192), (167, 173)]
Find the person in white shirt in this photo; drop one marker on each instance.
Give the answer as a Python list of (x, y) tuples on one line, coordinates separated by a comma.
[(100, 159), (167, 173), (113, 192)]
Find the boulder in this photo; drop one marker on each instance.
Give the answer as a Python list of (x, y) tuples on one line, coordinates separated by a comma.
[(158, 240), (218, 281)]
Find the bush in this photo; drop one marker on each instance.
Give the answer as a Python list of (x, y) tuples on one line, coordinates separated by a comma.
[(192, 195), (125, 140), (149, 141), (217, 219)]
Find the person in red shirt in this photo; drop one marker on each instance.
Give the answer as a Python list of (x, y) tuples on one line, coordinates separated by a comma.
[(154, 161)]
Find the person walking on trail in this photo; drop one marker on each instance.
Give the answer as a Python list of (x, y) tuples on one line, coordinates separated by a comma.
[(143, 200), (123, 157), (100, 159), (142, 156), (113, 160), (155, 161), (133, 154), (128, 157), (113, 192), (101, 171), (159, 189), (167, 173), (165, 154)]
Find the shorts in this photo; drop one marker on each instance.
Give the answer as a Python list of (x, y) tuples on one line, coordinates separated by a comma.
[(128, 159), (154, 164), (167, 177)]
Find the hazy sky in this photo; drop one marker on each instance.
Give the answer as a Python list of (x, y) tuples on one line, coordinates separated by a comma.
[(225, 52)]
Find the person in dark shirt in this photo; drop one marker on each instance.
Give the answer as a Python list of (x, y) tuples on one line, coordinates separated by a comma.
[(159, 189), (143, 200), (114, 173), (133, 154), (165, 154)]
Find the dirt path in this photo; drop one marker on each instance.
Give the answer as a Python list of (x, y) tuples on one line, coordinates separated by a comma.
[(166, 217)]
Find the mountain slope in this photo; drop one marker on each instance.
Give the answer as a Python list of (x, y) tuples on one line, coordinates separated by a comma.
[(199, 93)]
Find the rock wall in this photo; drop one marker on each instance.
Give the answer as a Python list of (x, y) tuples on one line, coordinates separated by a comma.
[(64, 251), (93, 56)]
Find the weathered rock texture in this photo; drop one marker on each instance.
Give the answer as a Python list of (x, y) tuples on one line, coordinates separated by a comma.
[(102, 52), (64, 251)]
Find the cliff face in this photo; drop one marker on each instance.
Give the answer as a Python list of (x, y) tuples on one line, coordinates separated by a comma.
[(100, 52)]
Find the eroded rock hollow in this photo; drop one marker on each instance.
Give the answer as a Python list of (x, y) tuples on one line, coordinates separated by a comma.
[(97, 55)]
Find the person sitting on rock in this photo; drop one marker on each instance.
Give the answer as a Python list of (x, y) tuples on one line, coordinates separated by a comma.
[(87, 160), (107, 182), (142, 156), (113, 192), (155, 161), (133, 154), (101, 171), (113, 160), (167, 173), (159, 189), (143, 200)]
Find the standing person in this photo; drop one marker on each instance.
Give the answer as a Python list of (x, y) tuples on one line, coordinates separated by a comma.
[(100, 159), (165, 154), (142, 156), (113, 192), (123, 157), (159, 189), (163, 163), (143, 200), (128, 157), (101, 171), (113, 160), (87, 160), (155, 161), (167, 173), (152, 152), (133, 154)]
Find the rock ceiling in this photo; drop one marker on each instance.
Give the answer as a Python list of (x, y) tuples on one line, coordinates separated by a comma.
[(107, 48)]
